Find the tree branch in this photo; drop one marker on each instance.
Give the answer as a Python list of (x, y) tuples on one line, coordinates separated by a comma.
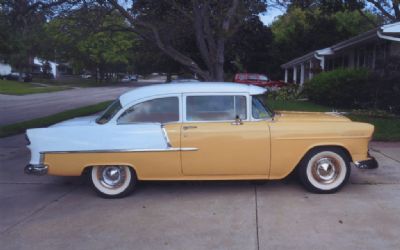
[(379, 6)]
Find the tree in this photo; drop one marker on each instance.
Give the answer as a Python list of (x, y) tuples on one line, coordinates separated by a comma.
[(82, 37), (21, 29), (388, 9), (301, 31), (212, 23)]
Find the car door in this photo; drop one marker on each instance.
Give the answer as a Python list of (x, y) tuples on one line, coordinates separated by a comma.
[(225, 145)]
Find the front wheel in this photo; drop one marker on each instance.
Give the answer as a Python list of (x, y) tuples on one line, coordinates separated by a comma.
[(113, 181), (324, 170)]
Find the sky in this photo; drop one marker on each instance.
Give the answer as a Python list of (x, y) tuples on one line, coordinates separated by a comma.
[(269, 16)]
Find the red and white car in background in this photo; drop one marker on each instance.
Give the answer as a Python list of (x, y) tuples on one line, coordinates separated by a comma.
[(258, 80)]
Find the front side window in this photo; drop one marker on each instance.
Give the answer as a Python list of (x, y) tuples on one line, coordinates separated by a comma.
[(215, 108), (259, 109), (109, 113), (160, 110)]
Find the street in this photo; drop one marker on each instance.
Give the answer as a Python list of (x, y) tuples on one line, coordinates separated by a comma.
[(14, 108), (64, 213)]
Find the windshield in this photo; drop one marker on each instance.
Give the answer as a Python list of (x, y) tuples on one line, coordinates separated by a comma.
[(260, 109), (109, 113)]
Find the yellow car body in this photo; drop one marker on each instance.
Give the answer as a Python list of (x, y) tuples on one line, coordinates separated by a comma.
[(255, 150), (251, 148)]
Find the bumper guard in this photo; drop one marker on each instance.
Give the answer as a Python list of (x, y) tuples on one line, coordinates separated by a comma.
[(36, 169), (371, 163)]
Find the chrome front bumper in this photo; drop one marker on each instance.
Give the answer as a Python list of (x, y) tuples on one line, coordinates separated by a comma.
[(371, 163), (36, 169)]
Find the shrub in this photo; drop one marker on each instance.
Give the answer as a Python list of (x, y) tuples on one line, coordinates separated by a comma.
[(341, 88), (356, 88), (289, 92)]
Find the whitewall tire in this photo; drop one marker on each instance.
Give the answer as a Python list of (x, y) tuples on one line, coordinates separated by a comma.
[(113, 181), (324, 170)]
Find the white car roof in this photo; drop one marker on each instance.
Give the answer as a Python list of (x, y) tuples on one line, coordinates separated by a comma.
[(188, 87)]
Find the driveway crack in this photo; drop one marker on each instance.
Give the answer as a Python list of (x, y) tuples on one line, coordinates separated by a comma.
[(388, 156)]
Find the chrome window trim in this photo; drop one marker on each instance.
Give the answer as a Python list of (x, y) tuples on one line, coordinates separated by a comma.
[(170, 149)]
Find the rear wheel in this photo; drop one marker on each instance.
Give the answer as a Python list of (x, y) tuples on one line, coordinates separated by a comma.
[(113, 181), (324, 170)]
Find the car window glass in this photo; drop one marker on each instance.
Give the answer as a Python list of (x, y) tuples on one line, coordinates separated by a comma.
[(215, 108), (160, 110), (109, 113), (259, 110), (263, 78)]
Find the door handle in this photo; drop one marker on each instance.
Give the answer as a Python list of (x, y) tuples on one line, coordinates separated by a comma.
[(189, 127)]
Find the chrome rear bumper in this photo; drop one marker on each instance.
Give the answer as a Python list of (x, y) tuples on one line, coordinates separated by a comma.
[(36, 169), (371, 163)]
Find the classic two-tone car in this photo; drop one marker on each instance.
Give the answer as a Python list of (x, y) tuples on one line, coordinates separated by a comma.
[(200, 131)]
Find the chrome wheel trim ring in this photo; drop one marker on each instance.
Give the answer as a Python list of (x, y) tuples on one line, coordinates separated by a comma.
[(118, 184), (111, 176), (326, 170)]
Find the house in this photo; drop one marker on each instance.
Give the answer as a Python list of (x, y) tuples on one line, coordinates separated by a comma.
[(5, 69), (371, 49), (37, 67)]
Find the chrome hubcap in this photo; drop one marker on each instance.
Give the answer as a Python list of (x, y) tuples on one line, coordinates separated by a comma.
[(111, 176), (326, 170)]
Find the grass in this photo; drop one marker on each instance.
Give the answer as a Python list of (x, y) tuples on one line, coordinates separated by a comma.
[(297, 106), (20, 127), (387, 128), (24, 88)]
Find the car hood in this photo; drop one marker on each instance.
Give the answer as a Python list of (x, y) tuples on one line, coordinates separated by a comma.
[(79, 121), (290, 116)]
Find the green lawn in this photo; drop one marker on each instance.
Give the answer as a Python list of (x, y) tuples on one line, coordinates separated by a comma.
[(20, 127), (296, 106), (386, 128), (24, 88)]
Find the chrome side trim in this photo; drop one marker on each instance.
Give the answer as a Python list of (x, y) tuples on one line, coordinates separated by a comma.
[(165, 134), (120, 150)]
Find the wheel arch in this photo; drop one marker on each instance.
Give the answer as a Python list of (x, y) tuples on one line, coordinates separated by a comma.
[(319, 146), (86, 169)]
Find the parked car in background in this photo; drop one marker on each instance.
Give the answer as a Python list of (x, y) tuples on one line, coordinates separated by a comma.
[(130, 78), (17, 76), (86, 76), (208, 131), (258, 80)]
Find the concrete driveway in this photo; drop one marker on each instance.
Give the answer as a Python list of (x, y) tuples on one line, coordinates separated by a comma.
[(26, 107), (63, 213)]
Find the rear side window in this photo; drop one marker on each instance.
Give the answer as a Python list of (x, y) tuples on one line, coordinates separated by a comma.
[(215, 108), (160, 110)]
